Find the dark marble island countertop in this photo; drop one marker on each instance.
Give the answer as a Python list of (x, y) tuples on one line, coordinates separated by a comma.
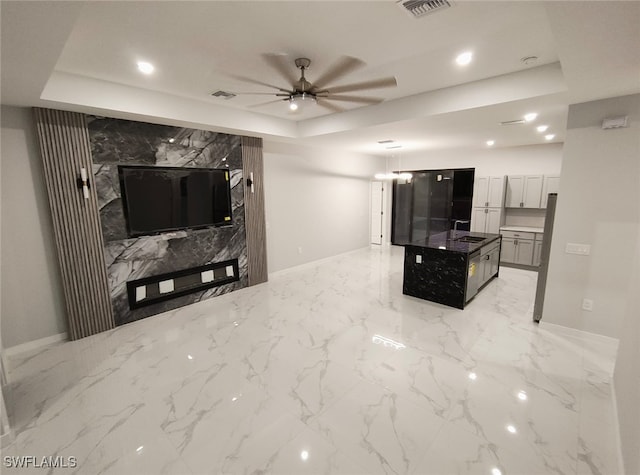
[(450, 241)]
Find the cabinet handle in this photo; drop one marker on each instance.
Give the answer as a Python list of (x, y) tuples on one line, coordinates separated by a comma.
[(486, 211), (486, 203), (521, 204)]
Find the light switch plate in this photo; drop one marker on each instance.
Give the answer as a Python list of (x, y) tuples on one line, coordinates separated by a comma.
[(587, 304), (579, 249), (418, 259)]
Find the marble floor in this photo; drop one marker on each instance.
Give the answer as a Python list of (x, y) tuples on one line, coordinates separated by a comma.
[(327, 368)]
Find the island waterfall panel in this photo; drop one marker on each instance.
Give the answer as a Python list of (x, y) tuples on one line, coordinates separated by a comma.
[(64, 146), (121, 142)]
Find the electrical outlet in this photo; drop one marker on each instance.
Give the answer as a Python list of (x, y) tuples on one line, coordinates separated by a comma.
[(587, 304), (418, 259)]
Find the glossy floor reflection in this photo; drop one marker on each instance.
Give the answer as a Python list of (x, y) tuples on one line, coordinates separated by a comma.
[(326, 368)]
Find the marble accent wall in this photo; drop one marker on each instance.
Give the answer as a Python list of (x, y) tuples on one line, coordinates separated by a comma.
[(121, 142)]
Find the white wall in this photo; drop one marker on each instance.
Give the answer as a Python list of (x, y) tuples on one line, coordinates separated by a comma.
[(32, 300), (543, 159), (317, 201), (599, 205), (627, 375)]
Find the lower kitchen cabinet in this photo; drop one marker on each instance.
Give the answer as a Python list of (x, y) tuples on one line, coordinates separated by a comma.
[(537, 250), (517, 248)]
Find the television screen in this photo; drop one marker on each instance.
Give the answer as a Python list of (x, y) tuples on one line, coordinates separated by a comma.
[(158, 199)]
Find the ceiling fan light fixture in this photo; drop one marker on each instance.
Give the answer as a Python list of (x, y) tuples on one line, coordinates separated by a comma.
[(300, 99)]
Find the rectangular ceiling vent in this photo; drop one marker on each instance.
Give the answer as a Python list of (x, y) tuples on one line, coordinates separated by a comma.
[(513, 122), (223, 94), (418, 8)]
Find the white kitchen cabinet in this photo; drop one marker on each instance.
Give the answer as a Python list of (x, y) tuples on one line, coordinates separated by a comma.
[(508, 251), (488, 191), (537, 251), (486, 220), (524, 252), (551, 184), (518, 248), (523, 191)]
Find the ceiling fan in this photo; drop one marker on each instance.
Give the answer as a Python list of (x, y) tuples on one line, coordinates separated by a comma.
[(301, 91)]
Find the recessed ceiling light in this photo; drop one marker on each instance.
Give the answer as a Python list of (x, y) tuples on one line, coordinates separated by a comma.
[(490, 143), (542, 128), (549, 136), (464, 58), (145, 68), (531, 116)]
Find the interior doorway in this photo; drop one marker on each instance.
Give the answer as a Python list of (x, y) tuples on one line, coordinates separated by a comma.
[(377, 212)]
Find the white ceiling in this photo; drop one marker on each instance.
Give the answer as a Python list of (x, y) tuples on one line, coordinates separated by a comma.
[(82, 56)]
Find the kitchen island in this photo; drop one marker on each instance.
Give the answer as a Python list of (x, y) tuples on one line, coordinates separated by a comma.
[(450, 267)]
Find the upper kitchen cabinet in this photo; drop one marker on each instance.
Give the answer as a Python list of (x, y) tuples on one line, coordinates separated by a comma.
[(551, 184), (523, 191), (488, 192)]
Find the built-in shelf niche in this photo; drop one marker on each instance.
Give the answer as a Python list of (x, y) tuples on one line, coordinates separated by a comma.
[(158, 288)]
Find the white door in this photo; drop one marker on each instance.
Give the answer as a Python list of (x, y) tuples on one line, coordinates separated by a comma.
[(496, 192), (508, 252), (376, 212), (515, 190), (524, 252), (532, 191), (480, 191), (479, 220), (494, 218)]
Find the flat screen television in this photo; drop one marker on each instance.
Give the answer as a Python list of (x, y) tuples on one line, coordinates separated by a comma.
[(160, 199)]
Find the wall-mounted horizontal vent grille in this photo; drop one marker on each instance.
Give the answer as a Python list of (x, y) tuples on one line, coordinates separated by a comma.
[(223, 94), (513, 122), (418, 8)]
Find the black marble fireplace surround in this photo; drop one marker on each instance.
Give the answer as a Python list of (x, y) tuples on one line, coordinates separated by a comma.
[(121, 142)]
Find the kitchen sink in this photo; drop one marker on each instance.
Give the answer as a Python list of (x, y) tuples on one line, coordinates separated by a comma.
[(472, 239)]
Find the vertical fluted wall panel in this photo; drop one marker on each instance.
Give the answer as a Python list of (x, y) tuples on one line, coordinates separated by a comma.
[(254, 210), (65, 149)]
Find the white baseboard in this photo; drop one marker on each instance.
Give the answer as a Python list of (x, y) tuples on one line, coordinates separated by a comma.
[(317, 261), (33, 345), (574, 332)]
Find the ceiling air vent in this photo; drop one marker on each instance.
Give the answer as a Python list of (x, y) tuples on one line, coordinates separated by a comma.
[(223, 94), (418, 8)]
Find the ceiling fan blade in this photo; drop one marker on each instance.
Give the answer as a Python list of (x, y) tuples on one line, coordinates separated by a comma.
[(283, 65), (361, 86), (342, 67), (358, 99), (331, 107), (266, 103), (259, 83)]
